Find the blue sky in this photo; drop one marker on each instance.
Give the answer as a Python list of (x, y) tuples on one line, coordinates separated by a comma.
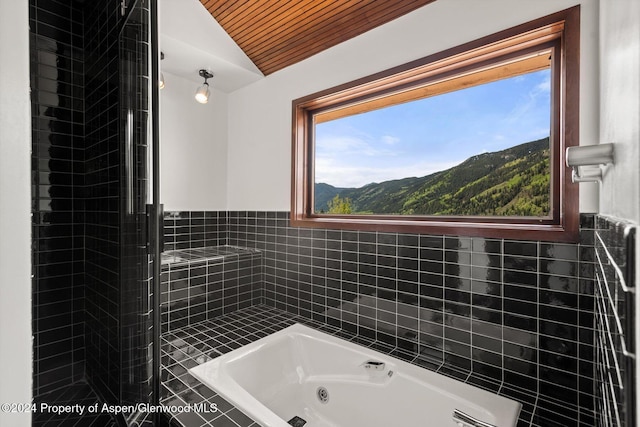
[(433, 134)]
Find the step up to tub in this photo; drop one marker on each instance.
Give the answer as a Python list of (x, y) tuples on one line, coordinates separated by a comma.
[(202, 283)]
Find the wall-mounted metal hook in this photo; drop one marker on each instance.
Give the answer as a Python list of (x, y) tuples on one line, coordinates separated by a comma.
[(592, 157)]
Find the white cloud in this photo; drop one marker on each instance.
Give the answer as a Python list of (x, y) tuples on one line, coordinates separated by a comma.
[(538, 92), (544, 86), (333, 172), (350, 146), (340, 144), (390, 140)]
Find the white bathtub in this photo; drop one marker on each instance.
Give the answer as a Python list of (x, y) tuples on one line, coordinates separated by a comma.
[(288, 373)]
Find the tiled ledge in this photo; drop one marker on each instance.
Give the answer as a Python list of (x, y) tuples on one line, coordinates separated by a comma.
[(184, 348), (180, 257)]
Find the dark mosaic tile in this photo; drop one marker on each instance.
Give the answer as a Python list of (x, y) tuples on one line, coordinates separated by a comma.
[(452, 275)]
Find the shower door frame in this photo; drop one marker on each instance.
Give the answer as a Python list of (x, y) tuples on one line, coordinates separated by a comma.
[(141, 213)]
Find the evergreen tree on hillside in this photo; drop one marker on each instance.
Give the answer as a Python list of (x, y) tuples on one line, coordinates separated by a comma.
[(338, 205)]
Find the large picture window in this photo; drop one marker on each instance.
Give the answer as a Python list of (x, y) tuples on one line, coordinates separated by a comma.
[(468, 141)]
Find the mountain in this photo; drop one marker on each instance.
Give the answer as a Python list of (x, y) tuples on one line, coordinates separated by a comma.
[(324, 193), (514, 181)]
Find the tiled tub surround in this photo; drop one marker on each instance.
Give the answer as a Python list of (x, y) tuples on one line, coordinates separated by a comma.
[(192, 345), (615, 315), (206, 282), (519, 313)]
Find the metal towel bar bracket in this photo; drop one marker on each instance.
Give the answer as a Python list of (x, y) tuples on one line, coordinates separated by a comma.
[(593, 157)]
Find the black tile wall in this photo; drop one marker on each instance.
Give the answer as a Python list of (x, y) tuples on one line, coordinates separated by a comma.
[(184, 230), (102, 175), (57, 100), (516, 312), (615, 320), (205, 282)]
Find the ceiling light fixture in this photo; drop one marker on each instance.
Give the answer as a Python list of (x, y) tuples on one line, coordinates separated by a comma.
[(202, 94), (161, 83)]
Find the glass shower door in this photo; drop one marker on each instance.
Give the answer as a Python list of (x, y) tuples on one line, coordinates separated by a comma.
[(140, 211)]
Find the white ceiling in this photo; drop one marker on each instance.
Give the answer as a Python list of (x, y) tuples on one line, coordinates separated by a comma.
[(191, 40)]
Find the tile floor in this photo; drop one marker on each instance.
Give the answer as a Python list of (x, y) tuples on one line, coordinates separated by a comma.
[(79, 393)]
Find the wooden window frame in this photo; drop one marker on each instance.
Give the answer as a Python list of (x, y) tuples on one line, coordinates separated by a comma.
[(559, 31)]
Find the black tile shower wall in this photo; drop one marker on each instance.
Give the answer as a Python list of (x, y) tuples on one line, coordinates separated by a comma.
[(57, 99), (79, 302), (102, 175), (615, 320), (520, 312)]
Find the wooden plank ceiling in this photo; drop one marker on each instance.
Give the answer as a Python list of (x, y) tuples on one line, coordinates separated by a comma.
[(277, 33)]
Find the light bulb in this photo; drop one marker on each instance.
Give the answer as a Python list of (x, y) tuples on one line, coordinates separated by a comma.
[(202, 95)]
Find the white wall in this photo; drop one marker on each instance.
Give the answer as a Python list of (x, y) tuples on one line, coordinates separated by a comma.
[(193, 147), (15, 208), (620, 106), (620, 119), (259, 150)]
